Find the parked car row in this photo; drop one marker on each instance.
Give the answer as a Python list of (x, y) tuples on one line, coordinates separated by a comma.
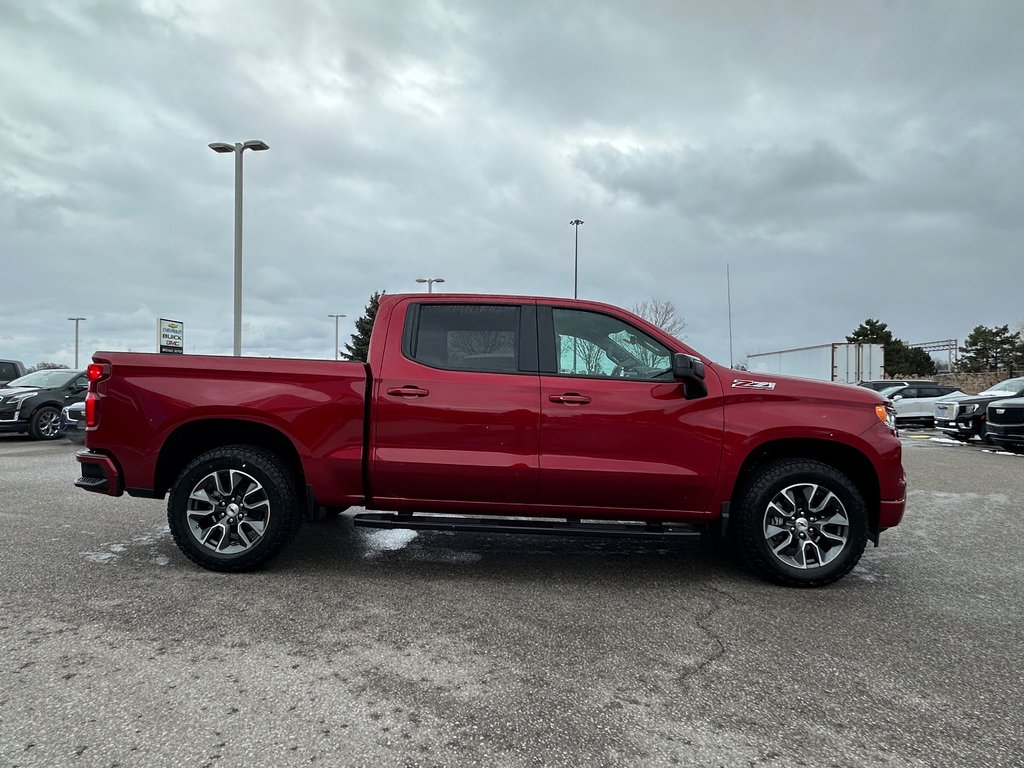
[(996, 415), (32, 404)]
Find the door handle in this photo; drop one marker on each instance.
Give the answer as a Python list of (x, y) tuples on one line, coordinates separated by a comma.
[(569, 398), (408, 391)]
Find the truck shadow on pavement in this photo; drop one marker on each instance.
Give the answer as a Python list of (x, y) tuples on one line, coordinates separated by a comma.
[(336, 546)]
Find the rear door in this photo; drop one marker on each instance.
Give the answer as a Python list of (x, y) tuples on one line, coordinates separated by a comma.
[(617, 433), (456, 416)]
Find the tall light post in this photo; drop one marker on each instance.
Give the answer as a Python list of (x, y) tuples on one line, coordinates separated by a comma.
[(238, 148), (430, 282), (576, 258), (77, 321), (336, 318)]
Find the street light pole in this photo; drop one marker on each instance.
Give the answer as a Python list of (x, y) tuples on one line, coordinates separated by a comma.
[(576, 258), (77, 321), (336, 318), (430, 282), (238, 148)]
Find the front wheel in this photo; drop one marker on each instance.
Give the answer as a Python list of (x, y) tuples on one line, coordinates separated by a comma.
[(233, 508), (801, 523)]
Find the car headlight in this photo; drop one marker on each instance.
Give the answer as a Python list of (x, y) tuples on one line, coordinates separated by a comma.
[(19, 396), (970, 408), (887, 415)]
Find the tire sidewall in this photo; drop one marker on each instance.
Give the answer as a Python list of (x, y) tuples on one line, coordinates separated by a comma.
[(782, 475), (268, 472), (35, 430)]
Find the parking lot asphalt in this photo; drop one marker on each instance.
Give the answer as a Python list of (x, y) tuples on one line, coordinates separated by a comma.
[(391, 648)]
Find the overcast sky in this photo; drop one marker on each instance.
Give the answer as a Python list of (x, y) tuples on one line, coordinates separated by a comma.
[(846, 160)]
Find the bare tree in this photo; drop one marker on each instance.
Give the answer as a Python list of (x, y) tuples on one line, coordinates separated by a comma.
[(663, 314), (583, 356)]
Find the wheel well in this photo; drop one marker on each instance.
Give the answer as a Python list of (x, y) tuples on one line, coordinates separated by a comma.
[(194, 438), (847, 460)]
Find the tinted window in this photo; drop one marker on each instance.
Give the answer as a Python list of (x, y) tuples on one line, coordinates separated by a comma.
[(467, 337), (908, 392), (7, 371), (592, 344), (45, 379)]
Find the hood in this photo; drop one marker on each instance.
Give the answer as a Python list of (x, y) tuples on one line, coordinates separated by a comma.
[(772, 384), (16, 390), (973, 399), (1013, 402)]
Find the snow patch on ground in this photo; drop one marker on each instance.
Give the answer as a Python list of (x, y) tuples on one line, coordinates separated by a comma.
[(1005, 453), (112, 551), (389, 540)]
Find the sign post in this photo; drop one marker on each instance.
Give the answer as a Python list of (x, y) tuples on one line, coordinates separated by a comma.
[(170, 337)]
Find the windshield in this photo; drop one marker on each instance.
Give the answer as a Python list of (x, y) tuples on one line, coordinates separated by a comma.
[(890, 391), (1007, 388), (48, 379)]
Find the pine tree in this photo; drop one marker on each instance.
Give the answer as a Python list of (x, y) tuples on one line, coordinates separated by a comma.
[(989, 349), (900, 360), (357, 349)]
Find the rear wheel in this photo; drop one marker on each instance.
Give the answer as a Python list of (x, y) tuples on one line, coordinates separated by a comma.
[(233, 508), (801, 523), (45, 424)]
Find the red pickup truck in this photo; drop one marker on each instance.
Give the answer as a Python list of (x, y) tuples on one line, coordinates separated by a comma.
[(499, 413)]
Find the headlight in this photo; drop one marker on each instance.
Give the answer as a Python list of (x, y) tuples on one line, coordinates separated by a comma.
[(18, 397), (887, 415), (971, 408)]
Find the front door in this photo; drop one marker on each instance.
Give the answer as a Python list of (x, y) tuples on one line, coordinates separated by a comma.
[(616, 432)]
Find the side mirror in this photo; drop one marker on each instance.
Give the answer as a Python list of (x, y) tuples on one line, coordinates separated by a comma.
[(690, 371), (897, 397)]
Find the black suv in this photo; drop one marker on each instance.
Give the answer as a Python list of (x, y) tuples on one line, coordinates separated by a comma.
[(963, 419), (32, 403), (1006, 424)]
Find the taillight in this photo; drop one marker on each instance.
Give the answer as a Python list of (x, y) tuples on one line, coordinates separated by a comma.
[(97, 371)]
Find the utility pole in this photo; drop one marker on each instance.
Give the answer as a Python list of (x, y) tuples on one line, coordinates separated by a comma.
[(77, 320), (336, 350), (238, 148), (576, 258)]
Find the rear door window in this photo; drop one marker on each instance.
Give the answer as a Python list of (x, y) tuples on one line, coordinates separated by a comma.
[(466, 337)]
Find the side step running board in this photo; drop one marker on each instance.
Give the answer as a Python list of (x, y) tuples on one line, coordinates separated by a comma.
[(430, 522)]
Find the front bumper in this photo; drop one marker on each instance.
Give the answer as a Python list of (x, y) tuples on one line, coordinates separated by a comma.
[(1006, 434), (958, 427)]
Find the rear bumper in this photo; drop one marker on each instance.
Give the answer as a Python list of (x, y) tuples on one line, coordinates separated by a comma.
[(99, 474)]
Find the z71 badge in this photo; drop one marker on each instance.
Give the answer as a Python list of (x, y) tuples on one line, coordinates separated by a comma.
[(751, 384)]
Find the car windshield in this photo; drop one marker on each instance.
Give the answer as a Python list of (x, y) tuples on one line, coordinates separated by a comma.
[(1007, 388), (47, 379), (890, 391)]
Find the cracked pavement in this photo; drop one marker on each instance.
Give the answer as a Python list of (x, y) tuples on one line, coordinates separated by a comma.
[(360, 647)]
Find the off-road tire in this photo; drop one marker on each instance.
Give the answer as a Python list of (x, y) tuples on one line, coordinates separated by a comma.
[(262, 492), (760, 498)]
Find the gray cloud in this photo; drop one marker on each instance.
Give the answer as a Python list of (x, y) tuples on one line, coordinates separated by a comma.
[(846, 161)]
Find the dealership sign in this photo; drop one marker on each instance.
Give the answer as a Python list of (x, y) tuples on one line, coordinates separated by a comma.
[(171, 336)]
